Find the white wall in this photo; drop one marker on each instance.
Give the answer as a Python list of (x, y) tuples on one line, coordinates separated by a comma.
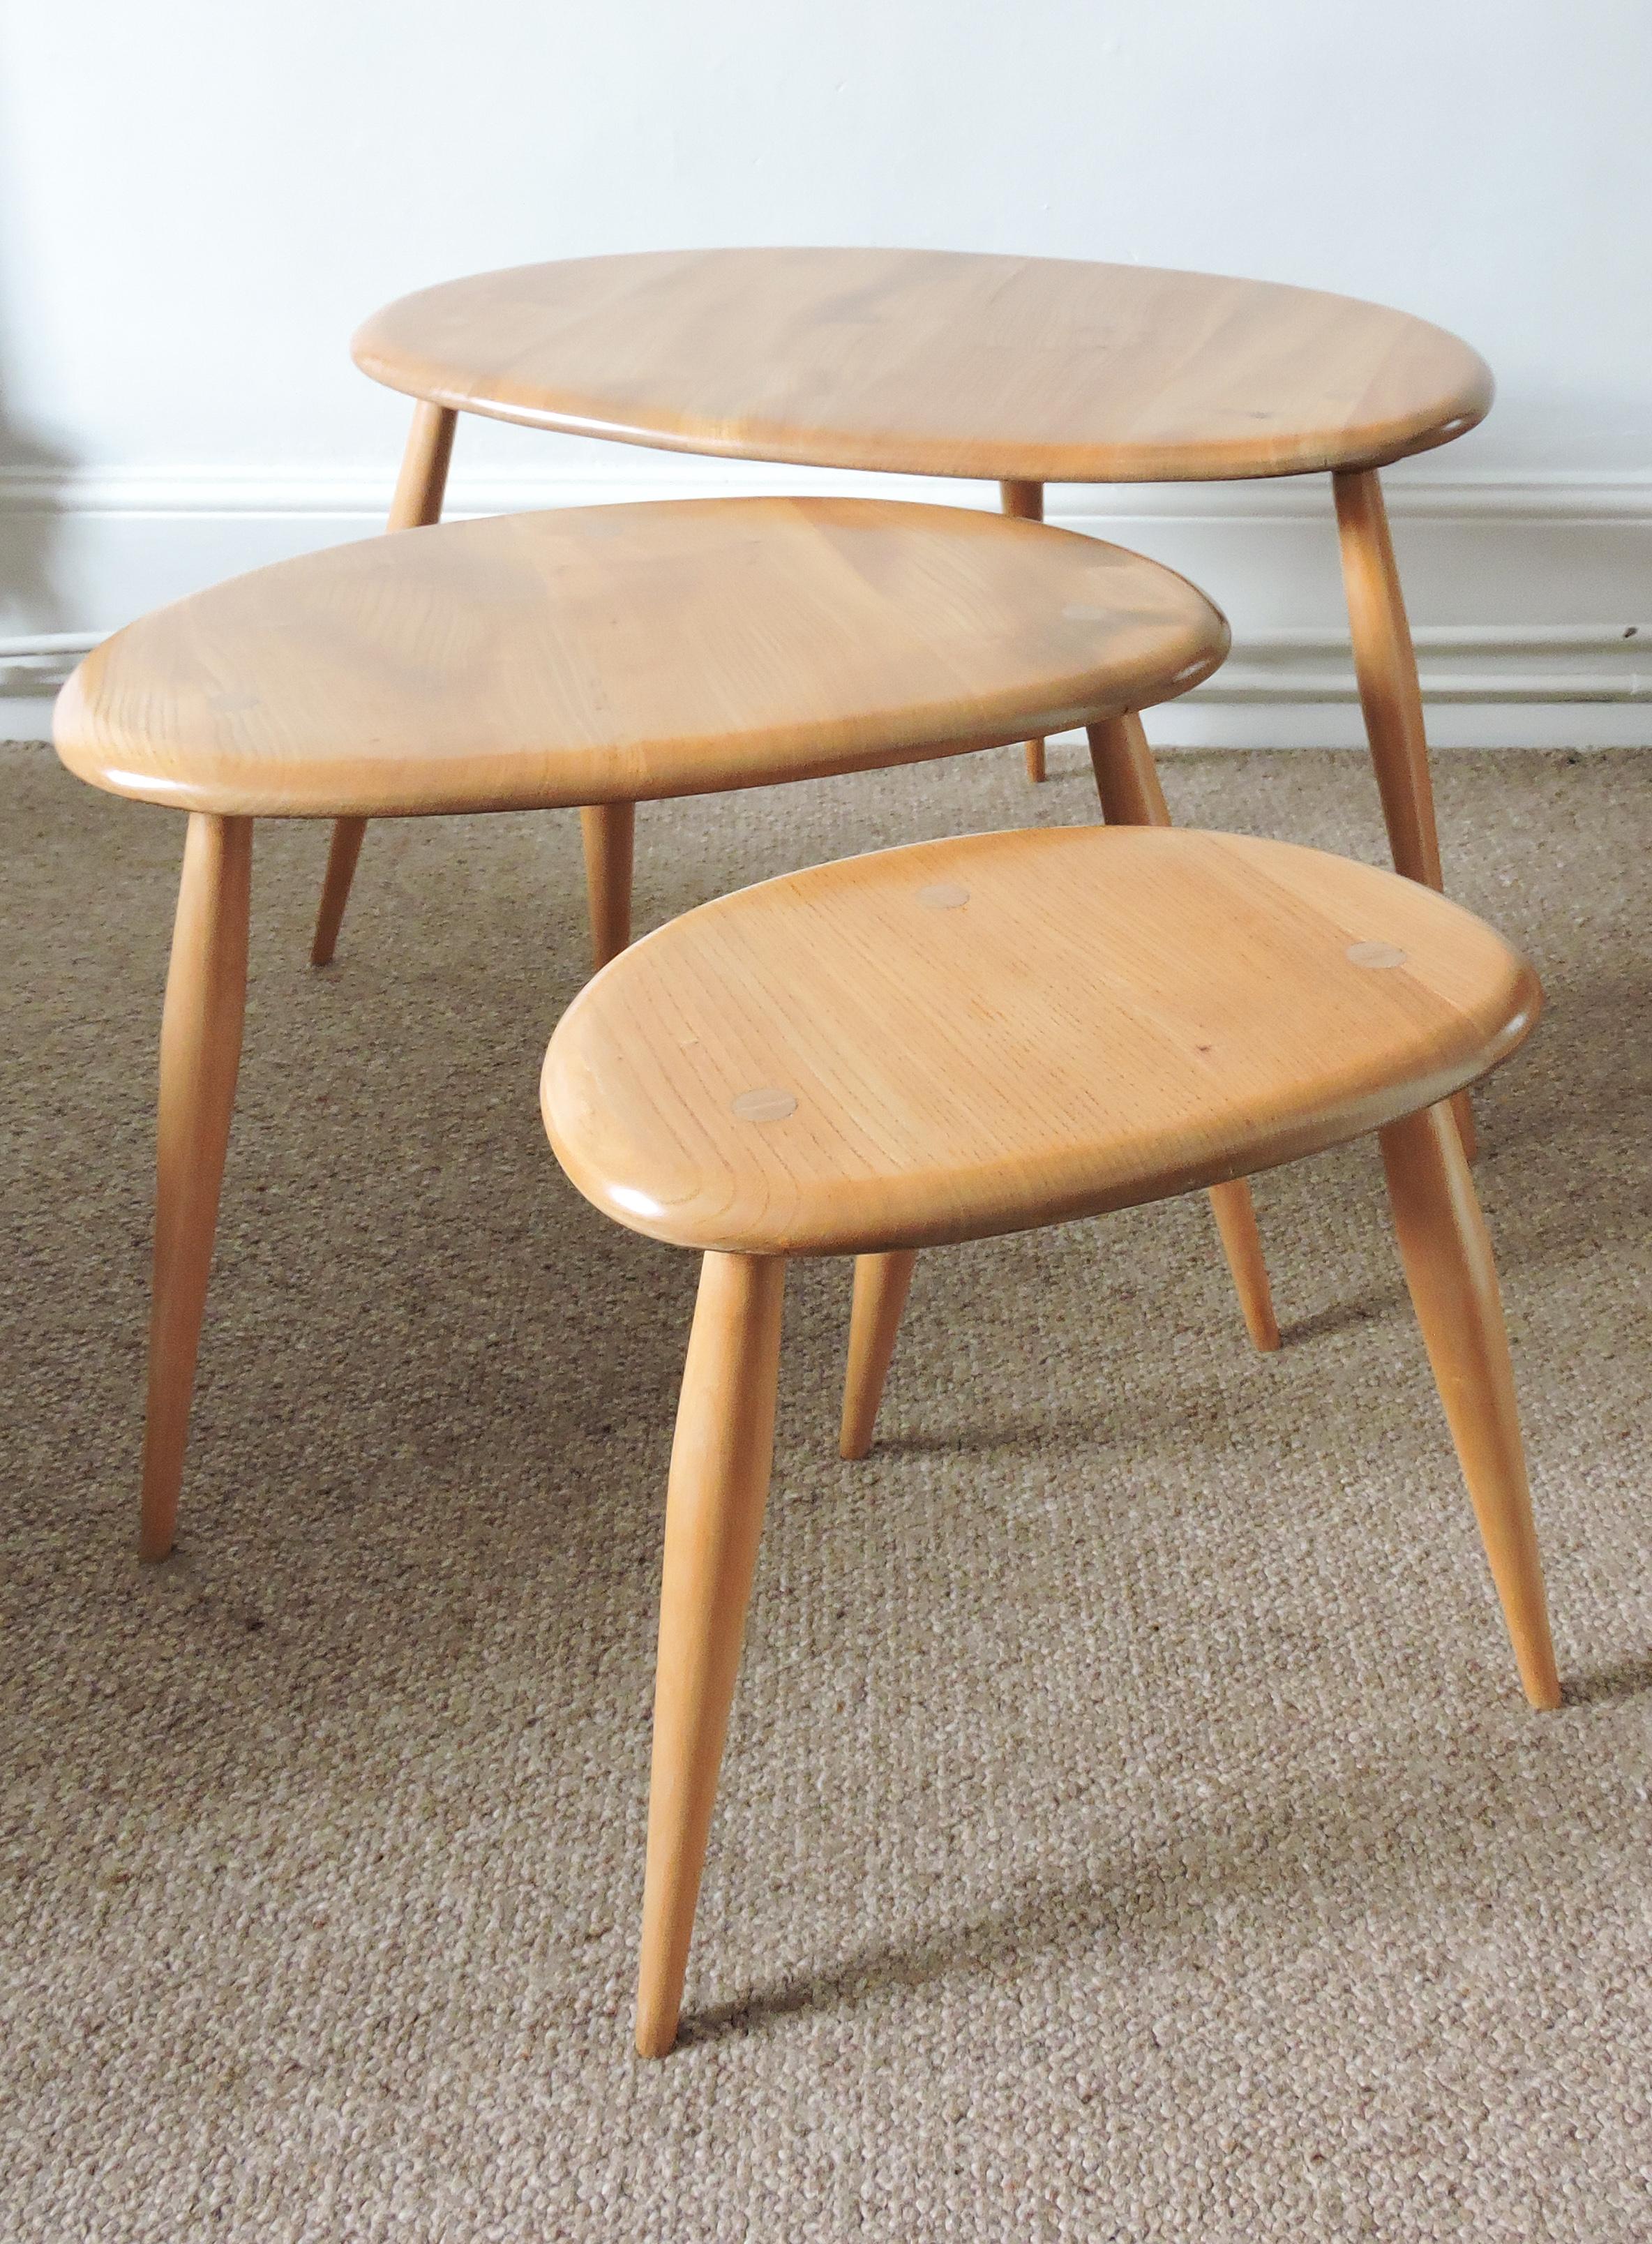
[(199, 201)]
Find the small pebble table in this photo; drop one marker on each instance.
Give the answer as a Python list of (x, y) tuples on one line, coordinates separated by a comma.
[(963, 1038), (602, 656)]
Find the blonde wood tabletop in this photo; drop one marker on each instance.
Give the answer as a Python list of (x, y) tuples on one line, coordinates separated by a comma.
[(966, 1038), (612, 654), (936, 362)]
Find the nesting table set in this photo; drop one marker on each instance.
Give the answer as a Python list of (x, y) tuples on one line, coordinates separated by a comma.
[(947, 1041)]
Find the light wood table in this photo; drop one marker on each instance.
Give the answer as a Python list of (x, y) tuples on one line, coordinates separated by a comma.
[(604, 656), (968, 1037), (1023, 370)]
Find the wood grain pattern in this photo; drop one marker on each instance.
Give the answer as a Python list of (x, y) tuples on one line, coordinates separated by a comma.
[(1454, 1287), (936, 362), (612, 654), (714, 1504), (201, 1051), (972, 1037)]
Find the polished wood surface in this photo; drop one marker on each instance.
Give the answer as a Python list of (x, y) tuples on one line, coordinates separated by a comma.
[(1453, 1289), (420, 488), (936, 362), (201, 1051), (610, 654), (720, 1483), (970, 1037)]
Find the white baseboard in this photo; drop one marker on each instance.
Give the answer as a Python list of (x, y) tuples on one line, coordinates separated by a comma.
[(1532, 595)]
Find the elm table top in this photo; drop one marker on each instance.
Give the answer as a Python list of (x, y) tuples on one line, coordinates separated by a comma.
[(626, 654), (936, 362), (965, 1037)]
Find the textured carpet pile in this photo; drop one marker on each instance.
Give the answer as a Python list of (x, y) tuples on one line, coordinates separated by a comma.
[(1131, 1827)]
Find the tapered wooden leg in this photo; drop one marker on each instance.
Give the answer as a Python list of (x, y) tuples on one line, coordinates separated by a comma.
[(1462, 1109), (1236, 1222), (201, 1051), (1386, 666), (720, 1483), (1026, 501), (346, 847), (1127, 779), (610, 833), (1453, 1286), (1128, 782), (881, 1283), (419, 492)]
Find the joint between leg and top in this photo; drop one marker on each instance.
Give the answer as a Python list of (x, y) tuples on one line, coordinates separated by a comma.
[(1024, 502), (1127, 781), (609, 833)]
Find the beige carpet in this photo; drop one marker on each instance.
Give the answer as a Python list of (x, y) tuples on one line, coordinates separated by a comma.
[(1131, 1828)]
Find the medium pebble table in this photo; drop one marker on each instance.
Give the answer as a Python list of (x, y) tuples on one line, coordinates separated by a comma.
[(604, 656)]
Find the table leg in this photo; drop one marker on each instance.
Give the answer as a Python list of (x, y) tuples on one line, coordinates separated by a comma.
[(1385, 665), (348, 834), (719, 1484), (608, 830), (419, 490), (881, 1283), (201, 1051), (1453, 1289), (1026, 502)]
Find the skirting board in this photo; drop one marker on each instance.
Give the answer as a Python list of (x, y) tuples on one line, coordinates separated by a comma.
[(1531, 596)]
